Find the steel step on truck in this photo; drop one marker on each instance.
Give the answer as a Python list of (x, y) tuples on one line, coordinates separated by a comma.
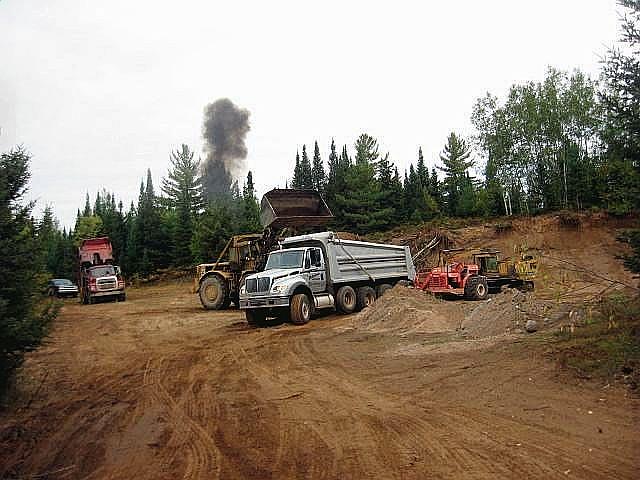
[(97, 276), (321, 270)]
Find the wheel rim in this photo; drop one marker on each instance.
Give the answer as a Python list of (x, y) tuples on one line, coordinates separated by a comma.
[(369, 300), (211, 292), (348, 299), (481, 290), (305, 310)]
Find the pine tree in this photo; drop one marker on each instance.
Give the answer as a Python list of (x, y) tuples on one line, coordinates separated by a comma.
[(296, 182), (149, 236), (306, 171), (455, 160), (422, 171), (22, 326), (183, 187), (389, 195), (318, 176), (87, 207), (332, 175), (366, 150), (251, 210), (358, 204)]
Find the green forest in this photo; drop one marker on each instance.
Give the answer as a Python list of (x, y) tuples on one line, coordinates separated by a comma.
[(566, 142)]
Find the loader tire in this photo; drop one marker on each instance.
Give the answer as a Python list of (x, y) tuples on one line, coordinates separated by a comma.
[(213, 292), (476, 288), (346, 299), (365, 297), (383, 288), (300, 309), (255, 317)]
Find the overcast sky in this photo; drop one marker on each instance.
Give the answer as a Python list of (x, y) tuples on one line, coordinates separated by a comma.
[(100, 91)]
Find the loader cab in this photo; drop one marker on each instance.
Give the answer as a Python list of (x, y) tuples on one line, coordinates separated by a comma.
[(487, 263)]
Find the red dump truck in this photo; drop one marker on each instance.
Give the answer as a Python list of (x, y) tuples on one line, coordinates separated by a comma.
[(98, 277)]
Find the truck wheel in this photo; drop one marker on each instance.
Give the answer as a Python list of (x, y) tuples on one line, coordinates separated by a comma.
[(476, 288), (365, 297), (213, 293), (122, 297), (383, 288), (300, 309), (255, 317), (346, 299)]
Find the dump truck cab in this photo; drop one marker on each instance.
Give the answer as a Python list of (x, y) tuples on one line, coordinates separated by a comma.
[(97, 275)]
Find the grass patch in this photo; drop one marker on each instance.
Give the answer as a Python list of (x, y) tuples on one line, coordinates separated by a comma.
[(605, 345)]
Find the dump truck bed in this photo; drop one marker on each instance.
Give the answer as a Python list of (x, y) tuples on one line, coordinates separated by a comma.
[(282, 208), (352, 261)]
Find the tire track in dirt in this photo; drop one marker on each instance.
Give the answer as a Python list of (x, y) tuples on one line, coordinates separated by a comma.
[(169, 394), (203, 458)]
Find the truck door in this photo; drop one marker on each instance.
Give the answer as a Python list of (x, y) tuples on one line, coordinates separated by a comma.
[(317, 276)]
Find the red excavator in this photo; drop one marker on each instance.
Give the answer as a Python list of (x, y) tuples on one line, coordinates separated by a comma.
[(454, 278)]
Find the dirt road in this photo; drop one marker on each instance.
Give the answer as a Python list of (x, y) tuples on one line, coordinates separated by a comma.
[(158, 388)]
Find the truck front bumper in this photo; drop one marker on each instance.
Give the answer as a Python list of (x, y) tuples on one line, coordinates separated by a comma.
[(107, 293), (263, 302)]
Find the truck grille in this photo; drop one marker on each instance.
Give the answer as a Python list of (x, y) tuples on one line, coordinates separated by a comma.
[(255, 285), (107, 283)]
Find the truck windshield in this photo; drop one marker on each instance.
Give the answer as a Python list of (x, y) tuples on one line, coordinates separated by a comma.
[(285, 259), (102, 271)]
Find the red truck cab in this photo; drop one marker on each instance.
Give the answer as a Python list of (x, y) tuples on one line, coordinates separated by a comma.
[(97, 276)]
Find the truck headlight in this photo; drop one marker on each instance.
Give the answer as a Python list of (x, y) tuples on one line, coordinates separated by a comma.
[(279, 289)]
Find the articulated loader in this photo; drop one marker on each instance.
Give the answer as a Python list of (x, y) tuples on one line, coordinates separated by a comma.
[(283, 212)]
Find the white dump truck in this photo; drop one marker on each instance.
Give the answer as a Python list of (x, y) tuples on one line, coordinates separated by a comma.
[(321, 270)]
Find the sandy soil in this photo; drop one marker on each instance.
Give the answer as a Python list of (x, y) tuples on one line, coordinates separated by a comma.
[(158, 388), (414, 388)]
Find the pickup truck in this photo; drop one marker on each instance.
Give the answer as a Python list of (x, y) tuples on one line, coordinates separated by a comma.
[(316, 271)]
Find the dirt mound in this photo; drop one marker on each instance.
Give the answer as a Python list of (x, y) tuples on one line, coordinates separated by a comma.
[(405, 310), (509, 311)]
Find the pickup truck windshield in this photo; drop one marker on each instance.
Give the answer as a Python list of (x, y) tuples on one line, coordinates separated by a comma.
[(285, 259), (102, 271)]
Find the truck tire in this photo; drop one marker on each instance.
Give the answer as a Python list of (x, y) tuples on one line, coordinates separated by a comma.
[(346, 299), (300, 309), (365, 297), (476, 288), (383, 288), (213, 292), (255, 317), (122, 297)]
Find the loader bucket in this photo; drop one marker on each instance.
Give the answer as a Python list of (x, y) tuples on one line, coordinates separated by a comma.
[(282, 208)]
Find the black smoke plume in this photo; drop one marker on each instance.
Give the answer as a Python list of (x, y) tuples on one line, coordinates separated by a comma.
[(224, 131)]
